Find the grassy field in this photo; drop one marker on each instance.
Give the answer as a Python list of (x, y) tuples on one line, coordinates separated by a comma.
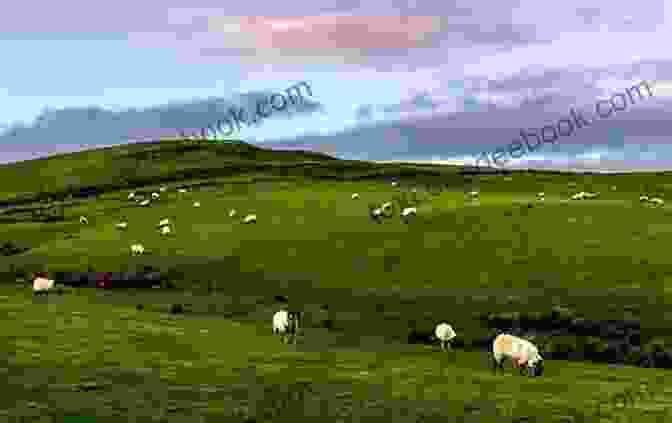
[(93, 352)]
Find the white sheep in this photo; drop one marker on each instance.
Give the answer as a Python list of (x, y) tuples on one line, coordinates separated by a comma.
[(137, 249), (232, 213), (164, 222), (41, 284), (250, 218), (521, 353), (165, 230), (474, 194), (579, 195), (408, 212), (83, 220), (131, 196), (591, 194), (122, 225), (182, 190), (657, 201), (286, 324), (644, 198), (395, 183), (162, 189), (145, 202), (355, 196), (155, 196), (376, 213), (444, 333), (197, 204)]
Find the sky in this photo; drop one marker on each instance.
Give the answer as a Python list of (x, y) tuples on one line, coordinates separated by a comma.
[(415, 80)]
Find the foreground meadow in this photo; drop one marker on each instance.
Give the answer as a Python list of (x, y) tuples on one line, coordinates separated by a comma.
[(363, 286)]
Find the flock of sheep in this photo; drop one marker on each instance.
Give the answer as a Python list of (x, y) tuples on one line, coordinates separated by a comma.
[(164, 225), (522, 353)]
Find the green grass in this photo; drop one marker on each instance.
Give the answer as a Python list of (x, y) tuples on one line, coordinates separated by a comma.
[(317, 246)]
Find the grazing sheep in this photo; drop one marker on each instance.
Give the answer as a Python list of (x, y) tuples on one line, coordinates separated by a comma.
[(286, 324), (164, 222), (579, 196), (444, 333), (144, 202), (165, 230), (122, 225), (83, 220), (41, 285), (162, 189), (541, 195), (137, 249), (395, 183), (182, 190), (408, 212), (474, 194), (131, 196), (644, 198), (197, 204), (657, 201), (591, 194), (355, 196), (376, 214), (520, 351), (250, 218), (232, 213), (155, 196)]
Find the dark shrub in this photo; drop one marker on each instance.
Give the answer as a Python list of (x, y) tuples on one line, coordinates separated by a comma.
[(419, 336), (281, 298), (584, 327), (634, 339), (139, 307), (176, 309)]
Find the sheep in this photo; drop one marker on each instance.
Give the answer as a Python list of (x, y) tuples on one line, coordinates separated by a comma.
[(579, 196), (41, 284), (197, 204), (355, 196), (444, 333), (657, 201), (122, 225), (155, 196), (232, 213), (144, 202), (182, 190), (643, 198), (286, 324), (520, 351), (162, 189), (395, 183), (250, 218), (165, 230), (591, 194), (541, 195), (83, 220), (408, 212), (474, 194), (137, 249), (131, 195), (376, 214), (164, 222)]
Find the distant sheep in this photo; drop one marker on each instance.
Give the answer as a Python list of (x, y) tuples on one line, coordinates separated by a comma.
[(162, 189), (197, 204), (408, 213), (395, 183), (131, 195), (83, 220), (444, 333), (376, 214), (137, 249), (521, 353), (165, 230), (250, 218), (145, 202), (579, 196), (164, 222), (41, 285), (474, 194), (182, 190), (122, 225), (355, 196), (155, 196), (286, 324), (643, 198), (541, 195), (232, 213), (656, 201)]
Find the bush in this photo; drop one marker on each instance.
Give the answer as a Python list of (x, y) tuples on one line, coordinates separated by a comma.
[(176, 309), (139, 307)]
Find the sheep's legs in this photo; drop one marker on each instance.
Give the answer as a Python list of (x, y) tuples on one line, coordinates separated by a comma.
[(443, 345)]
